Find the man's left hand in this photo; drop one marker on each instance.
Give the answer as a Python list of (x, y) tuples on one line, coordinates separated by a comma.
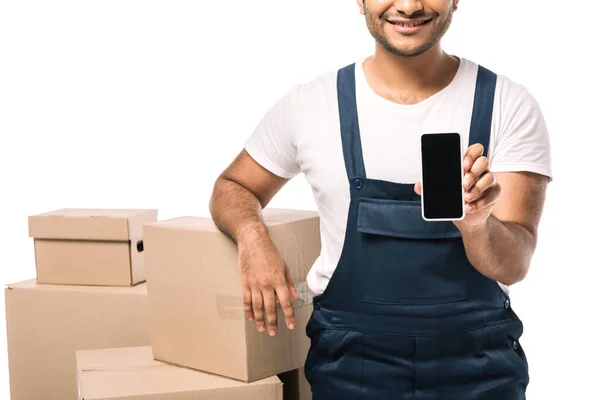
[(481, 189)]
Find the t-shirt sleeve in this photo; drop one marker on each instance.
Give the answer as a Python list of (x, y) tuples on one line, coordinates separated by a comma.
[(272, 144), (523, 143)]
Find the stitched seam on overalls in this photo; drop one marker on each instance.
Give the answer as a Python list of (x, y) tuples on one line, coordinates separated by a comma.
[(414, 368), (362, 364), (414, 333)]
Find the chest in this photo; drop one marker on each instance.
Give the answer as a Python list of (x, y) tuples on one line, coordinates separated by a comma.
[(390, 140)]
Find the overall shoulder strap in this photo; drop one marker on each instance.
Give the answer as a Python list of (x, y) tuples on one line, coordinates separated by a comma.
[(483, 107), (346, 92)]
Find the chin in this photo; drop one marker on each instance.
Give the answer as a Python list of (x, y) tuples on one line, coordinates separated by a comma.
[(406, 50)]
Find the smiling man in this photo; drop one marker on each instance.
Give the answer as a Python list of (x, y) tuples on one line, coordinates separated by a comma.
[(400, 310)]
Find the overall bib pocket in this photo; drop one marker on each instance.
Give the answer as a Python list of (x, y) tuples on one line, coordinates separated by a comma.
[(409, 261)]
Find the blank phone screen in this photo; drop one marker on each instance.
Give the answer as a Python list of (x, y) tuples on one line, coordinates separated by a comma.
[(442, 176)]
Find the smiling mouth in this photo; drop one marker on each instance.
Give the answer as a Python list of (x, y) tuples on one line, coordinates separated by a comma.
[(409, 24)]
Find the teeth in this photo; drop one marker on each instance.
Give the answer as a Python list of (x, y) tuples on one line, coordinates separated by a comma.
[(410, 25)]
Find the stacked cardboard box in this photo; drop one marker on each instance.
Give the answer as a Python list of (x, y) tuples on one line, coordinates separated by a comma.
[(70, 306), (202, 347), (295, 385), (132, 373), (90, 247)]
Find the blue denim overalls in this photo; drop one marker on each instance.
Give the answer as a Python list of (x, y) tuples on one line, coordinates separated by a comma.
[(405, 315)]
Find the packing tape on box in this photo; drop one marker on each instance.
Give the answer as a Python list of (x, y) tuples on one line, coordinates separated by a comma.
[(305, 295), (230, 307)]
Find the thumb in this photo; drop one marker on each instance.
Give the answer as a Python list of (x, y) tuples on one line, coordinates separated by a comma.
[(290, 283), (418, 188)]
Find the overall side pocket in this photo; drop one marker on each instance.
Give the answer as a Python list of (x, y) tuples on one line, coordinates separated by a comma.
[(335, 361)]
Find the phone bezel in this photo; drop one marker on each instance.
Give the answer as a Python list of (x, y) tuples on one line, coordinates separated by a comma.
[(462, 191)]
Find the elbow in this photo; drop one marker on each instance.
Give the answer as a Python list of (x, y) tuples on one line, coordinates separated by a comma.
[(214, 197), (519, 270), (515, 275)]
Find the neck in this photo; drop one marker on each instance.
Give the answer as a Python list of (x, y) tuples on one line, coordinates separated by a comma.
[(424, 74)]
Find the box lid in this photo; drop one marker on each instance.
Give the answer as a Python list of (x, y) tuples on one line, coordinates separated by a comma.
[(90, 224), (132, 371)]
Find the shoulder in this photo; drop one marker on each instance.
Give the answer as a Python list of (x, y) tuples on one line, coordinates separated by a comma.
[(519, 135), (314, 98), (314, 90), (508, 91), (512, 98)]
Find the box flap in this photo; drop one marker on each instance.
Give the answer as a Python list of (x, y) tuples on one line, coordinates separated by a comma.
[(118, 373), (89, 224)]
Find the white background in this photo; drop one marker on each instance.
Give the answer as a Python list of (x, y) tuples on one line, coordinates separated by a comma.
[(141, 104)]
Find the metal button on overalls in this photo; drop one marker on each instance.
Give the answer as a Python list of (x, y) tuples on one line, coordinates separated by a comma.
[(405, 315)]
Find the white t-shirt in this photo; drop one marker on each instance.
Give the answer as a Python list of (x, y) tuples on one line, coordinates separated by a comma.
[(301, 134)]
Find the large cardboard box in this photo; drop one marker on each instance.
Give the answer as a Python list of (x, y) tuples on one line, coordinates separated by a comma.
[(46, 324), (195, 295), (132, 374), (90, 247)]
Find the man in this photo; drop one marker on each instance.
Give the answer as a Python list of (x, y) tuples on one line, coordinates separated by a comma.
[(399, 313)]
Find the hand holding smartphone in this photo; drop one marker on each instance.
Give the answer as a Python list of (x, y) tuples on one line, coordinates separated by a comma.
[(441, 177)]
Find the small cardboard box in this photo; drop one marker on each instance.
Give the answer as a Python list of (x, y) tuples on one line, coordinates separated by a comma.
[(90, 247), (46, 324), (133, 374), (195, 296)]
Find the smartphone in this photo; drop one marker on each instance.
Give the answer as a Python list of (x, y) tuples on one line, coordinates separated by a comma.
[(442, 195)]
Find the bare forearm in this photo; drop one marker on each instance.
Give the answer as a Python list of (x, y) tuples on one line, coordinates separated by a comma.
[(235, 210), (500, 250)]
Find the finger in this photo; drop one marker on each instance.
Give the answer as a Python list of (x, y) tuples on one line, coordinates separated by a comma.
[(418, 188), (485, 182), (290, 284), (247, 295), (271, 309), (257, 306), (480, 166), (490, 198), (285, 301), (473, 153)]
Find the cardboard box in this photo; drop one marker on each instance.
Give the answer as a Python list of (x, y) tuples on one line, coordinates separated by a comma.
[(90, 247), (195, 295), (132, 373), (46, 324), (295, 385)]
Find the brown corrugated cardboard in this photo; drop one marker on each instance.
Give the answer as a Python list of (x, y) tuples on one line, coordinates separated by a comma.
[(195, 295), (295, 385), (46, 324), (90, 246), (132, 373)]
